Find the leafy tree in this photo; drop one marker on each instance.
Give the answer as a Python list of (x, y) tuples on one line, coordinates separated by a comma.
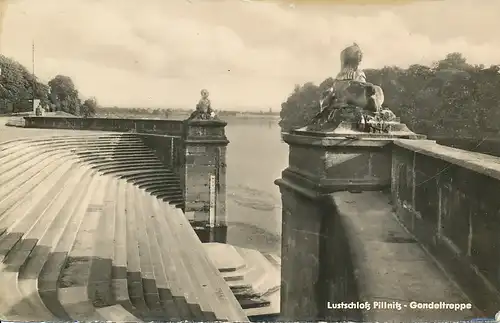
[(19, 86), (302, 105), (64, 95), (89, 108), (452, 61)]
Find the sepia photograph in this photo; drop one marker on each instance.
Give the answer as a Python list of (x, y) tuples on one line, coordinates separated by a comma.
[(249, 161)]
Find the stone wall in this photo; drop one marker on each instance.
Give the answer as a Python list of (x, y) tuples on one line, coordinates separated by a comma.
[(367, 245), (194, 150), (316, 265), (169, 149), (316, 254), (164, 127), (450, 200)]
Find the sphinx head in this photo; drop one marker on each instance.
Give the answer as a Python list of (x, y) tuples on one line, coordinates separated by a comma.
[(204, 94), (351, 56)]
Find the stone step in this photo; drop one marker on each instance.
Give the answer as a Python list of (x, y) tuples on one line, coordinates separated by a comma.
[(272, 277), (109, 148), (16, 152), (134, 279), (15, 198), (113, 150), (252, 303), (160, 179), (151, 294), (27, 212), (207, 268), (144, 151), (168, 192), (107, 164), (99, 289), (253, 279), (75, 146), (175, 270), (167, 302), (195, 266), (74, 277), (197, 305), (21, 238), (177, 202), (26, 152), (125, 158), (19, 170), (273, 259), (120, 169), (48, 280), (115, 313), (140, 174), (79, 244), (28, 276), (81, 139), (119, 283)]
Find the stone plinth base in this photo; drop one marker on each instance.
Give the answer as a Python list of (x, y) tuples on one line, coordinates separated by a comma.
[(342, 159), (394, 129)]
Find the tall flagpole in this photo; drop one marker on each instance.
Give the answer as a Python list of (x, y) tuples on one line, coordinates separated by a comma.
[(33, 55), (33, 72)]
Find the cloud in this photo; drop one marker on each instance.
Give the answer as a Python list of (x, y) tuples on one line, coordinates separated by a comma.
[(247, 53)]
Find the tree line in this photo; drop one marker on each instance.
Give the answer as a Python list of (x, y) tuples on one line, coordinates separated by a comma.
[(19, 87), (449, 98)]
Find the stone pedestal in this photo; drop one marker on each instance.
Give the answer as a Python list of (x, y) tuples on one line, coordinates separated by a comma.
[(203, 178), (314, 266)]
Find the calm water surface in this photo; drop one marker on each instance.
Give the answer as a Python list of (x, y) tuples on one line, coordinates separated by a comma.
[(255, 158)]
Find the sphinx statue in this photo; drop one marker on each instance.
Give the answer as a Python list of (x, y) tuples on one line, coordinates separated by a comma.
[(351, 98), (203, 109)]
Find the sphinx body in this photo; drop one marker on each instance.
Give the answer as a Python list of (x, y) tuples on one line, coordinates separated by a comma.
[(346, 93), (352, 93)]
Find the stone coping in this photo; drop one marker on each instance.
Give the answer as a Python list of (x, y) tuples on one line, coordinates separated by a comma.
[(206, 123), (339, 140), (481, 163), (391, 266)]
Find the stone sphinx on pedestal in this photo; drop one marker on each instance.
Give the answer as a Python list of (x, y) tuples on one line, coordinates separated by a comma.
[(353, 105), (204, 109)]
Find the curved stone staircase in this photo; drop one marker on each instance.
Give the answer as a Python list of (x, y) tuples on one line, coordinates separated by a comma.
[(89, 231), (254, 277)]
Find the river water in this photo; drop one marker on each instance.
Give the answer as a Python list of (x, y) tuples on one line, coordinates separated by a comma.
[(256, 156)]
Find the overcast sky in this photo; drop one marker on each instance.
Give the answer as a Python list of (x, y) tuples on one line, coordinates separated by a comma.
[(248, 54)]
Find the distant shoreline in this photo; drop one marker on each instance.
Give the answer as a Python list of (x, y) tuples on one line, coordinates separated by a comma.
[(173, 116)]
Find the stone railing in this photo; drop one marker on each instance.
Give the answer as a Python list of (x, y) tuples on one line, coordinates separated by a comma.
[(449, 199), (163, 127), (195, 150), (354, 209)]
